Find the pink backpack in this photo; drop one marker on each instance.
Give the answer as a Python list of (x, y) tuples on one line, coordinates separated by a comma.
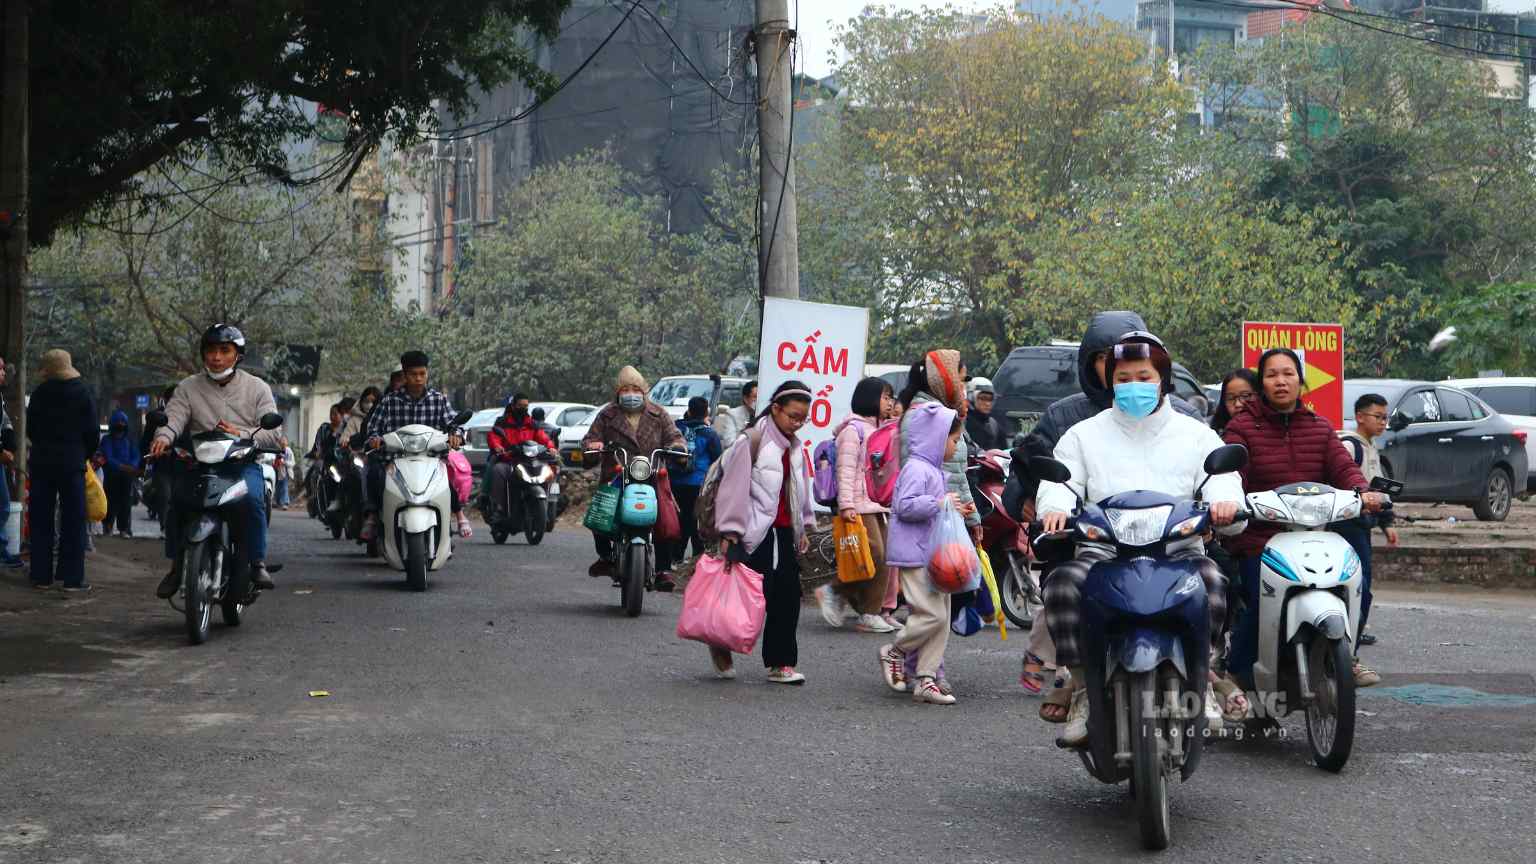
[(882, 461)]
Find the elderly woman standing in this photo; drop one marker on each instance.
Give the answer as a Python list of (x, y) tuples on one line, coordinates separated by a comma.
[(61, 426), (634, 423)]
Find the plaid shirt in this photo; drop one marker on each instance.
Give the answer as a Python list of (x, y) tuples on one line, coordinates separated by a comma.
[(397, 409)]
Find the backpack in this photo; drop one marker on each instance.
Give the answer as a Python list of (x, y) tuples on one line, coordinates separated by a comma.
[(824, 477), (882, 461), (704, 507)]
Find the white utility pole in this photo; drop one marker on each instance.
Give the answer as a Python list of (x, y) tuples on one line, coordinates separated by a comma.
[(779, 243)]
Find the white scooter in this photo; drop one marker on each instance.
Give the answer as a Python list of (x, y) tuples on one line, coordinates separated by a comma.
[(1309, 611), (416, 509)]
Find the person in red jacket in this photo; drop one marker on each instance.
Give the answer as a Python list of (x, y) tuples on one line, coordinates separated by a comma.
[(510, 432), (1287, 443)]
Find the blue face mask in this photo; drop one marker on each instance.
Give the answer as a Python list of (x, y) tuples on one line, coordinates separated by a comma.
[(1138, 398), (631, 401)]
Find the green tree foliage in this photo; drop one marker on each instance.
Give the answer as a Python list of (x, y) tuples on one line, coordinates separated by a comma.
[(119, 87), (1495, 329)]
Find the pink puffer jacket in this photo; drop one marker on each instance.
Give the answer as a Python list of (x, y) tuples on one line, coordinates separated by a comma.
[(852, 490)]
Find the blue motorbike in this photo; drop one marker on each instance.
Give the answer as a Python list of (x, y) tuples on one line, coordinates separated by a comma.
[(1145, 632)]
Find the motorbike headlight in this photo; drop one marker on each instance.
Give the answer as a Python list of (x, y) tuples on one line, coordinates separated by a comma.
[(335, 475), (640, 469), (211, 452), (1140, 527), (414, 442), (1311, 511), (530, 449), (359, 462)]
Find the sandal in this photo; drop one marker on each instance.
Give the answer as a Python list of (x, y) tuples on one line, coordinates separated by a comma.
[(1057, 705), (1234, 703), (1032, 679)]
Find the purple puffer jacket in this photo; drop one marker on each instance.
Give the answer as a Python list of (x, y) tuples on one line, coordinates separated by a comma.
[(920, 487)]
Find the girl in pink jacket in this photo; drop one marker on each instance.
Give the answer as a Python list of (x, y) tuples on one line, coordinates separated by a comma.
[(872, 399), (763, 512)]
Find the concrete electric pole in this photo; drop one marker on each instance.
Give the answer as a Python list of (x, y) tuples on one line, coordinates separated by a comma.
[(13, 210), (779, 244)]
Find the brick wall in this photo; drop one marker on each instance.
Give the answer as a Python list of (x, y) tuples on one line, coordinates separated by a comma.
[(1483, 567)]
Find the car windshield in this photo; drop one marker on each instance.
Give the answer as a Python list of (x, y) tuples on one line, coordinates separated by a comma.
[(668, 390)]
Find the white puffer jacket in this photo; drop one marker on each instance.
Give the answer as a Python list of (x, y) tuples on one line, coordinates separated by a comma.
[(747, 500), (1113, 452)]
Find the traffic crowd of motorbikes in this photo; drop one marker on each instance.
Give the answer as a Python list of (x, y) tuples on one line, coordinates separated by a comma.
[(1178, 578)]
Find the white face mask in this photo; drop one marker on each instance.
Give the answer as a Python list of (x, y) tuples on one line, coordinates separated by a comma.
[(219, 376)]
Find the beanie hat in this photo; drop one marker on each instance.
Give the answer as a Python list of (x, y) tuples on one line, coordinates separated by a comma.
[(629, 376), (943, 368)]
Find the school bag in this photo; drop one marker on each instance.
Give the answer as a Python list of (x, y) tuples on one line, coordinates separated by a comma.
[(704, 508), (882, 461), (824, 475)]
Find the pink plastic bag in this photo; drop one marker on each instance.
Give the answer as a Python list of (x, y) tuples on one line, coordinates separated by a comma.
[(460, 474), (723, 605)]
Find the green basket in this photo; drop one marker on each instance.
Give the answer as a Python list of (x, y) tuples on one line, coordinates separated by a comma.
[(603, 511)]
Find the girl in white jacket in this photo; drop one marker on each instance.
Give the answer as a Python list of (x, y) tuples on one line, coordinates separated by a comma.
[(1138, 443)]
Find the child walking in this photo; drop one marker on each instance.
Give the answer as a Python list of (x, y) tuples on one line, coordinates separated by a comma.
[(934, 432)]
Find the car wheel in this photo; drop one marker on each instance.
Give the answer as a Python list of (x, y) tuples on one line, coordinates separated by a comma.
[(1498, 490)]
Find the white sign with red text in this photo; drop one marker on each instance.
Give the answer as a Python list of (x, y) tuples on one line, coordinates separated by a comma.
[(817, 343)]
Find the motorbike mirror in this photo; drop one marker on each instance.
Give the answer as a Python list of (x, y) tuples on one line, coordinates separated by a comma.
[(271, 421), (462, 417), (1046, 468), (1225, 460), (1398, 423), (1389, 486)]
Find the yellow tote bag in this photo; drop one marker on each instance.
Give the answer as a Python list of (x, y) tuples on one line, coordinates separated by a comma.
[(95, 496), (854, 561)]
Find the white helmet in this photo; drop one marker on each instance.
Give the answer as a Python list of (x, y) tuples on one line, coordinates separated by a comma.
[(978, 384)]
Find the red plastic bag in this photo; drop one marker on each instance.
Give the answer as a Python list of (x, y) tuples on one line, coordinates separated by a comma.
[(723, 605), (669, 525)]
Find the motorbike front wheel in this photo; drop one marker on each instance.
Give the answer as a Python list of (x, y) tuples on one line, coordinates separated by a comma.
[(1151, 781), (1021, 599), (636, 559), (533, 522), (416, 561), (236, 593), (1331, 714), (196, 581)]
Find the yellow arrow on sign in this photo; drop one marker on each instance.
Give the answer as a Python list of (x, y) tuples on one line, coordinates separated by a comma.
[(1317, 378)]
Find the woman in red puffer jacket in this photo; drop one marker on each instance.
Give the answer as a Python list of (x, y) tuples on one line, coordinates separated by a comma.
[(1287, 443)]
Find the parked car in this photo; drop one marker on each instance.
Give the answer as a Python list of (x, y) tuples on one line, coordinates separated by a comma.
[(895, 373), (570, 436), (566, 415), (1446, 445), (1034, 376), (674, 391), (1515, 400)]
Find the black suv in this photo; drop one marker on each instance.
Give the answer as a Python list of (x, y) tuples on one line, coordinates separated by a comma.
[(1036, 375)]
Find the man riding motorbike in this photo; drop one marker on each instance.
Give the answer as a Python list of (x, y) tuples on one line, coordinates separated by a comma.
[(1141, 443), (228, 399), (413, 404), (639, 426), (511, 431), (980, 425)]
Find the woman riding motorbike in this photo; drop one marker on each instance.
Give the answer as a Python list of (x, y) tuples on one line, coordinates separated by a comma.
[(1287, 443), (1139, 443), (639, 426)]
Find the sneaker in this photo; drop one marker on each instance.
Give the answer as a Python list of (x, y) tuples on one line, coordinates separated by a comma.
[(466, 530), (928, 690), (663, 582), (873, 624), (261, 578), (831, 606), (76, 589), (1075, 733), (43, 586), (1365, 676), (725, 667), (1367, 639), (893, 663), (785, 675), (896, 626), (169, 585), (370, 530)]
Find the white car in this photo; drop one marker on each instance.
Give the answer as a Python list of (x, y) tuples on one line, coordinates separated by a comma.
[(568, 416), (1515, 400), (674, 391)]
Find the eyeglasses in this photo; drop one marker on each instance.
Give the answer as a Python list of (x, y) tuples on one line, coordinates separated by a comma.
[(1239, 398), (1381, 417)]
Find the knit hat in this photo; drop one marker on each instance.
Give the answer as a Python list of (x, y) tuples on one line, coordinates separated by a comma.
[(629, 376), (58, 366), (943, 368)]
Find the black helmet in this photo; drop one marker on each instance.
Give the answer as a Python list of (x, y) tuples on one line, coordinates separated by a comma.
[(224, 334)]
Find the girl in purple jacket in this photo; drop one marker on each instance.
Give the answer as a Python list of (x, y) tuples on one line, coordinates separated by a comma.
[(934, 433)]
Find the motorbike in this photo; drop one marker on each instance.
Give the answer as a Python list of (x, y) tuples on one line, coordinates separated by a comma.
[(1309, 612), (1006, 542), (532, 495), (416, 509), (1145, 631), (327, 499), (634, 554), (211, 562)]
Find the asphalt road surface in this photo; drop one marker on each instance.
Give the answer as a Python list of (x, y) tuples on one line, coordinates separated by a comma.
[(512, 714)]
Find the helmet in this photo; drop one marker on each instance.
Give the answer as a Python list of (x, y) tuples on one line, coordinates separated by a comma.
[(224, 334), (978, 384)]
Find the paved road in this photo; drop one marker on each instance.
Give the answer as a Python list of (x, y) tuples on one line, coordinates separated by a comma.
[(511, 714)]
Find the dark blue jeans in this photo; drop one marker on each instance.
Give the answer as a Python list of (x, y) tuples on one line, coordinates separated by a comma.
[(5, 513), (63, 487), (1245, 637), (249, 516), (1358, 533)]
